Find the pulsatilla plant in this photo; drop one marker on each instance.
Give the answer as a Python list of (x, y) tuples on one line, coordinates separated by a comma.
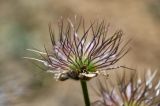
[(132, 91), (82, 55)]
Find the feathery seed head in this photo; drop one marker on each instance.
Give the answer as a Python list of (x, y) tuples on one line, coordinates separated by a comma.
[(134, 92), (82, 55)]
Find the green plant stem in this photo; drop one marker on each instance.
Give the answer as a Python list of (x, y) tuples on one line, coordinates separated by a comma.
[(85, 92)]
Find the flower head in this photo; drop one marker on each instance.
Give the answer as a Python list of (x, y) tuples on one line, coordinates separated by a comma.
[(134, 92), (82, 55)]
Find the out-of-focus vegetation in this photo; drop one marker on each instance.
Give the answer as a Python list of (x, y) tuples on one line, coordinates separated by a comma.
[(24, 24)]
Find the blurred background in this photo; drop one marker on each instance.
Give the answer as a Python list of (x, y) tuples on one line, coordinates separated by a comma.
[(24, 24)]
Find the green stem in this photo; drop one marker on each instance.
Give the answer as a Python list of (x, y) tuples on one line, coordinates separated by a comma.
[(85, 92)]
